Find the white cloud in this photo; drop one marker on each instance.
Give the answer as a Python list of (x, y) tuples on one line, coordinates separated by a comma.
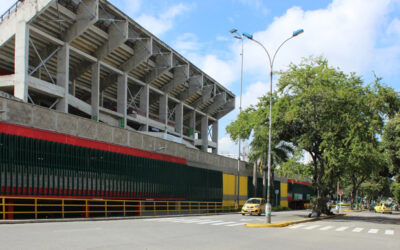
[(187, 43), (160, 24), (345, 32), (220, 70), (394, 27), (251, 94), (227, 147)]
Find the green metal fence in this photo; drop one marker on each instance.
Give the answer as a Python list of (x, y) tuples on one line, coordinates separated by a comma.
[(37, 167)]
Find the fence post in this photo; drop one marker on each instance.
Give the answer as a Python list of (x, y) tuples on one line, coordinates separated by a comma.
[(154, 208), (124, 208), (62, 208), (86, 209), (199, 206), (190, 207), (4, 208), (105, 208), (207, 208), (36, 215), (167, 207)]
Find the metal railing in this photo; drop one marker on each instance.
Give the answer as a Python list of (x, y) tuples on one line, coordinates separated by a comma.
[(10, 10), (45, 208)]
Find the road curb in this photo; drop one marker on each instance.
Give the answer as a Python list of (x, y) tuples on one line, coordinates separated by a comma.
[(287, 223)]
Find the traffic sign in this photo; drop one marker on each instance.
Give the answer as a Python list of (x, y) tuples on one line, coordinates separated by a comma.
[(340, 193)]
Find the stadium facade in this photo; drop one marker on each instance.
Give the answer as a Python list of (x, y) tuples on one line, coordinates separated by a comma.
[(93, 106)]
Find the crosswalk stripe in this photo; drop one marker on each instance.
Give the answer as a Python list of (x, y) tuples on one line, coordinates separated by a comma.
[(311, 227), (357, 229), (390, 232), (341, 229), (373, 231), (234, 225), (297, 226), (209, 222), (223, 223), (325, 228)]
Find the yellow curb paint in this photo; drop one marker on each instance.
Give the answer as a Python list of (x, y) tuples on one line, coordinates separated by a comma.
[(270, 225), (284, 224)]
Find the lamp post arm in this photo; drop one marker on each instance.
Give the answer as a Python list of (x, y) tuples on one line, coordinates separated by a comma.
[(266, 51), (276, 52)]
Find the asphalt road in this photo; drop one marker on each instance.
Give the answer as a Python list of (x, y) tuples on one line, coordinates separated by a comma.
[(355, 231)]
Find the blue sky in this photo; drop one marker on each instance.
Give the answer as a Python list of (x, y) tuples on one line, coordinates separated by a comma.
[(361, 36)]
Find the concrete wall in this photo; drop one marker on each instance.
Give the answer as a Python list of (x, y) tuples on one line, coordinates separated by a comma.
[(34, 116)]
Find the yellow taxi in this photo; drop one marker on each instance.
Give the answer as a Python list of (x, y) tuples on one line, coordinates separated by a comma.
[(383, 207), (254, 206)]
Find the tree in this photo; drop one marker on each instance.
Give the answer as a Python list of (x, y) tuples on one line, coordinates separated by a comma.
[(335, 119), (395, 189), (330, 115), (391, 145)]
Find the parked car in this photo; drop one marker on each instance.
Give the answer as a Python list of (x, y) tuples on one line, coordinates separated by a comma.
[(383, 207), (254, 206)]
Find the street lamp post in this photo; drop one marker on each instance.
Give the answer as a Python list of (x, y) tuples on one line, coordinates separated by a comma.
[(239, 37), (271, 63)]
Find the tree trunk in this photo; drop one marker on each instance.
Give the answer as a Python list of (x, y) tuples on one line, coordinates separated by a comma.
[(353, 193), (255, 178)]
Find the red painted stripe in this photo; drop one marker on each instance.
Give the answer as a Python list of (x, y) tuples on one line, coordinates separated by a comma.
[(39, 134), (300, 182)]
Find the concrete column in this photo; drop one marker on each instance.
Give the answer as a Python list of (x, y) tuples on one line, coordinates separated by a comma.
[(215, 136), (192, 123), (144, 105), (204, 132), (163, 110), (21, 60), (179, 119), (63, 77), (95, 90), (73, 88), (122, 98)]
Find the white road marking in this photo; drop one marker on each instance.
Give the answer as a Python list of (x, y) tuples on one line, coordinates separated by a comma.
[(297, 226), (357, 229), (77, 230), (311, 227), (325, 228), (234, 225), (373, 231), (390, 232), (341, 229), (223, 223), (209, 222)]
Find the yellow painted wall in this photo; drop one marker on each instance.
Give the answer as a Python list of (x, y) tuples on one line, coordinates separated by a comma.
[(228, 184), (228, 188), (284, 191)]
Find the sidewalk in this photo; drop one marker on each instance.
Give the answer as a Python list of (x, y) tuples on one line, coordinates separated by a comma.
[(286, 218)]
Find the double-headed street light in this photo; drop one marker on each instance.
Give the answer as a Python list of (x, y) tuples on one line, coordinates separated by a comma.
[(271, 63), (239, 37)]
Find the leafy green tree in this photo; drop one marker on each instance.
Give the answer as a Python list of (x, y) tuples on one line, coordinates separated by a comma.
[(329, 115), (391, 146), (395, 189)]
